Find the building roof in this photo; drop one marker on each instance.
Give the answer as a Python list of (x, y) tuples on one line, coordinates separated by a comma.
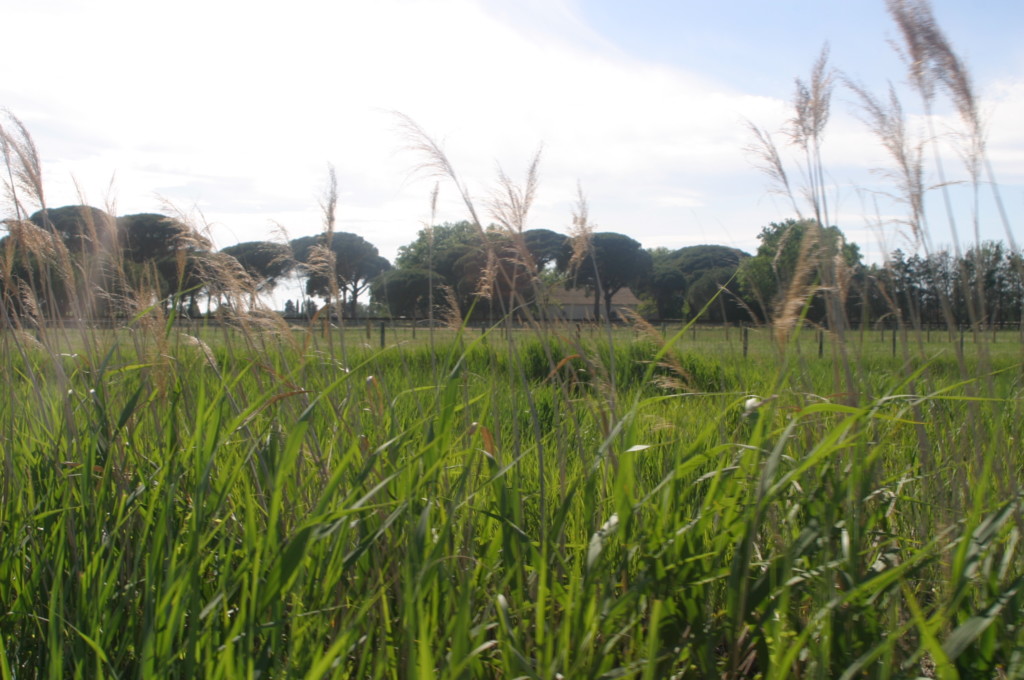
[(582, 296)]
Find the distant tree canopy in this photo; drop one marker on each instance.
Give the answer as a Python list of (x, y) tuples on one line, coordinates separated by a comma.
[(266, 262), (406, 292), (77, 260), (984, 286), (489, 271), (611, 262), (438, 247), (683, 282), (344, 262), (446, 251), (544, 246), (794, 254), (82, 228), (174, 250), (148, 237), (97, 265)]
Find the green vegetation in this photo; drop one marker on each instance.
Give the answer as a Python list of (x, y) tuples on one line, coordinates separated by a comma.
[(239, 503), (235, 497)]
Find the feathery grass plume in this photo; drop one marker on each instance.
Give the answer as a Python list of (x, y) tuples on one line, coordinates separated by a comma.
[(801, 286), (10, 188), (21, 161), (29, 303), (768, 161), (806, 130), (99, 262), (435, 192), (450, 312), (37, 259), (28, 341), (329, 201), (951, 74), (227, 280), (509, 204), (512, 262), (193, 341), (266, 321), (887, 122), (488, 275), (321, 261), (196, 234), (915, 22), (322, 257), (933, 65), (118, 282), (27, 238), (581, 232), (930, 62), (949, 71), (434, 162)]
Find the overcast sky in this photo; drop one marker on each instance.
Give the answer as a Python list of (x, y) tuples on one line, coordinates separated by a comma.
[(235, 109)]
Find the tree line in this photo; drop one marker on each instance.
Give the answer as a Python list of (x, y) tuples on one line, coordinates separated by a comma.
[(80, 261)]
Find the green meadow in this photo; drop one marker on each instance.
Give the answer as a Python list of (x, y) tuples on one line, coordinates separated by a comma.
[(605, 503)]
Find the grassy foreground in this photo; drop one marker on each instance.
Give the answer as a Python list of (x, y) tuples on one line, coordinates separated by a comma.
[(260, 504)]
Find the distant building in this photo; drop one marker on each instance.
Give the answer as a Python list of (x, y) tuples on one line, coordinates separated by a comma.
[(577, 304)]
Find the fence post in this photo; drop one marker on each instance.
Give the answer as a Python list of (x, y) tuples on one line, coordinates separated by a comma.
[(894, 341), (382, 335), (821, 343), (746, 341)]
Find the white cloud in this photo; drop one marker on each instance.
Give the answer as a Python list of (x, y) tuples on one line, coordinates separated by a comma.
[(238, 107)]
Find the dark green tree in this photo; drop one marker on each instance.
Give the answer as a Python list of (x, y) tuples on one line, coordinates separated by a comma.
[(544, 246), (266, 262), (347, 263), (177, 254), (34, 284), (612, 262), (490, 271), (405, 291), (79, 275), (682, 282), (438, 248), (478, 266), (82, 228), (797, 254), (149, 237)]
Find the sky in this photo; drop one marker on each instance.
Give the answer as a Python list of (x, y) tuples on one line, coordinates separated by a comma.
[(232, 112)]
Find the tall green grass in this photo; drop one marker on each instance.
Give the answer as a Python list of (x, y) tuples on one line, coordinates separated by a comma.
[(174, 509)]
